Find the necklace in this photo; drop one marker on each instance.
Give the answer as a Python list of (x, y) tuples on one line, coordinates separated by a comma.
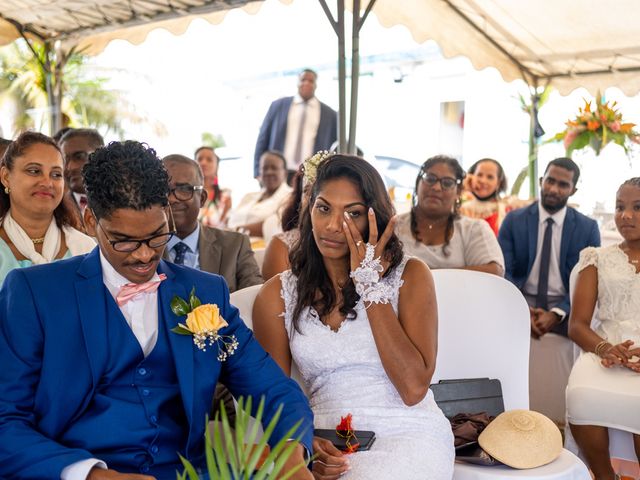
[(37, 241), (437, 223), (627, 252)]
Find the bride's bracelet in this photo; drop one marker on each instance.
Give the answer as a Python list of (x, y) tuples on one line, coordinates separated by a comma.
[(367, 280)]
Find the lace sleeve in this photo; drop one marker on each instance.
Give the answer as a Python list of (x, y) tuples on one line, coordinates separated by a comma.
[(588, 256)]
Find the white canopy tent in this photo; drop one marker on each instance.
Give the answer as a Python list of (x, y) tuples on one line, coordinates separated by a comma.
[(590, 44), (566, 44)]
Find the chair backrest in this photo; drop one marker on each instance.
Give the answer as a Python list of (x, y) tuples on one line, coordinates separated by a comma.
[(243, 300), (258, 254), (483, 331)]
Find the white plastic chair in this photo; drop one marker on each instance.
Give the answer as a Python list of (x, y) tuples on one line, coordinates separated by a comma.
[(620, 442), (483, 331), (258, 254), (243, 300)]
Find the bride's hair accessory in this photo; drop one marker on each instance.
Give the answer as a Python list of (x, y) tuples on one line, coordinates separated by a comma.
[(310, 166), (367, 279)]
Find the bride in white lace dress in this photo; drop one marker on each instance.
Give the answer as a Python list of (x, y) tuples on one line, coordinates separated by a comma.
[(604, 385), (371, 353)]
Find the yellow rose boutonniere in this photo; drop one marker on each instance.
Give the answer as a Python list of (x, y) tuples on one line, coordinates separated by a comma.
[(203, 323)]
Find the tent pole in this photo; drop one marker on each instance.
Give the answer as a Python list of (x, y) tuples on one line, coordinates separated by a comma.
[(533, 141), (338, 27), (342, 82), (355, 76)]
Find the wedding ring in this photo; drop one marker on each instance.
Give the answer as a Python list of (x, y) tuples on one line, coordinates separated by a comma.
[(358, 243)]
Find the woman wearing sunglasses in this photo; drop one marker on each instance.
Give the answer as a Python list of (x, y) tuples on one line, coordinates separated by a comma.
[(435, 232)]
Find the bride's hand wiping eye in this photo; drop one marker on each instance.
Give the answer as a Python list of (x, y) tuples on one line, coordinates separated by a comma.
[(357, 245)]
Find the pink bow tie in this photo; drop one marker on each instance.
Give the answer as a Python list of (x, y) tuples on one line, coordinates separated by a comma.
[(131, 290)]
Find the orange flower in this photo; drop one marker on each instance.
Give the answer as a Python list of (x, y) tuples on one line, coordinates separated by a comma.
[(345, 424), (593, 125), (345, 430)]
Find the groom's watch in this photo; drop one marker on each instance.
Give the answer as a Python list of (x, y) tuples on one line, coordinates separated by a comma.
[(561, 313)]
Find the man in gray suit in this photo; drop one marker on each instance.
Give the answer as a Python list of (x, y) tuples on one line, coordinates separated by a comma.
[(208, 249)]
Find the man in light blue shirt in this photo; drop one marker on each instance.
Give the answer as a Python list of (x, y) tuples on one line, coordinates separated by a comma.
[(209, 249)]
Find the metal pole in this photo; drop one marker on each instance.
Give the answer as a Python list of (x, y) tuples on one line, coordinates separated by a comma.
[(50, 85), (342, 101), (355, 75), (533, 144)]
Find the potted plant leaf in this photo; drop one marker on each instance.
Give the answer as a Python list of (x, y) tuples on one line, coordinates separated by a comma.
[(234, 454)]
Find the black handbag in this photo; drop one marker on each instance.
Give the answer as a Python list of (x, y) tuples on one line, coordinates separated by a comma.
[(470, 395)]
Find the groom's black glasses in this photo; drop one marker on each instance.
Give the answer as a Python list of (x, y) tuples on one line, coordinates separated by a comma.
[(128, 246)]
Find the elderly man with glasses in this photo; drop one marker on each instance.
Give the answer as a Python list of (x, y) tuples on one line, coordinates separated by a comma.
[(209, 249)]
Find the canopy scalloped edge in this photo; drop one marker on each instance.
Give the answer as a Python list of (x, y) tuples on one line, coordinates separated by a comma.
[(435, 20), (425, 20), (95, 44)]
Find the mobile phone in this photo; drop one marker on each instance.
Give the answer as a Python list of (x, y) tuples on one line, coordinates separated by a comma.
[(364, 438)]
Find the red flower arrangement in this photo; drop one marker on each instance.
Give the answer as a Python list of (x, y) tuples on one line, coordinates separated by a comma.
[(345, 430), (597, 128)]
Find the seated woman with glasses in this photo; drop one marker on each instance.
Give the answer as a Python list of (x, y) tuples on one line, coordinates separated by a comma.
[(37, 225), (435, 232)]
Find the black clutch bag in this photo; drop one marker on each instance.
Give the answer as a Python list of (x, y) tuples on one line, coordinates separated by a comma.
[(469, 395), (364, 438)]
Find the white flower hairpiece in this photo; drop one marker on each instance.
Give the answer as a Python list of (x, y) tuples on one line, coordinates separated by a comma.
[(310, 166)]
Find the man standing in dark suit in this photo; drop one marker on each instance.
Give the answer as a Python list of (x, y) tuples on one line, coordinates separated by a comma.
[(297, 126), (541, 244), (208, 249)]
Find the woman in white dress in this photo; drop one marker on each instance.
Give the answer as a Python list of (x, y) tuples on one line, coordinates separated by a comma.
[(604, 385), (360, 321), (256, 207)]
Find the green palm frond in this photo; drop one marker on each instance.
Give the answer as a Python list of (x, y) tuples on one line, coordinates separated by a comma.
[(85, 96), (234, 454)]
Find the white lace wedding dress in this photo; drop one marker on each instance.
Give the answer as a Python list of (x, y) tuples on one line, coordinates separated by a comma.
[(343, 374), (596, 395)]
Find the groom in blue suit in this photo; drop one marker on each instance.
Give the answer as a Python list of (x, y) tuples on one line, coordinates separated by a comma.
[(542, 274), (93, 382)]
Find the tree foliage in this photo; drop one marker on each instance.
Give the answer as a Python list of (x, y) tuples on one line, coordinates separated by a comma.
[(80, 89)]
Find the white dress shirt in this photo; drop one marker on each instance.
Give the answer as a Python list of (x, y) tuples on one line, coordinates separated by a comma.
[(556, 286), (141, 314), (311, 123)]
